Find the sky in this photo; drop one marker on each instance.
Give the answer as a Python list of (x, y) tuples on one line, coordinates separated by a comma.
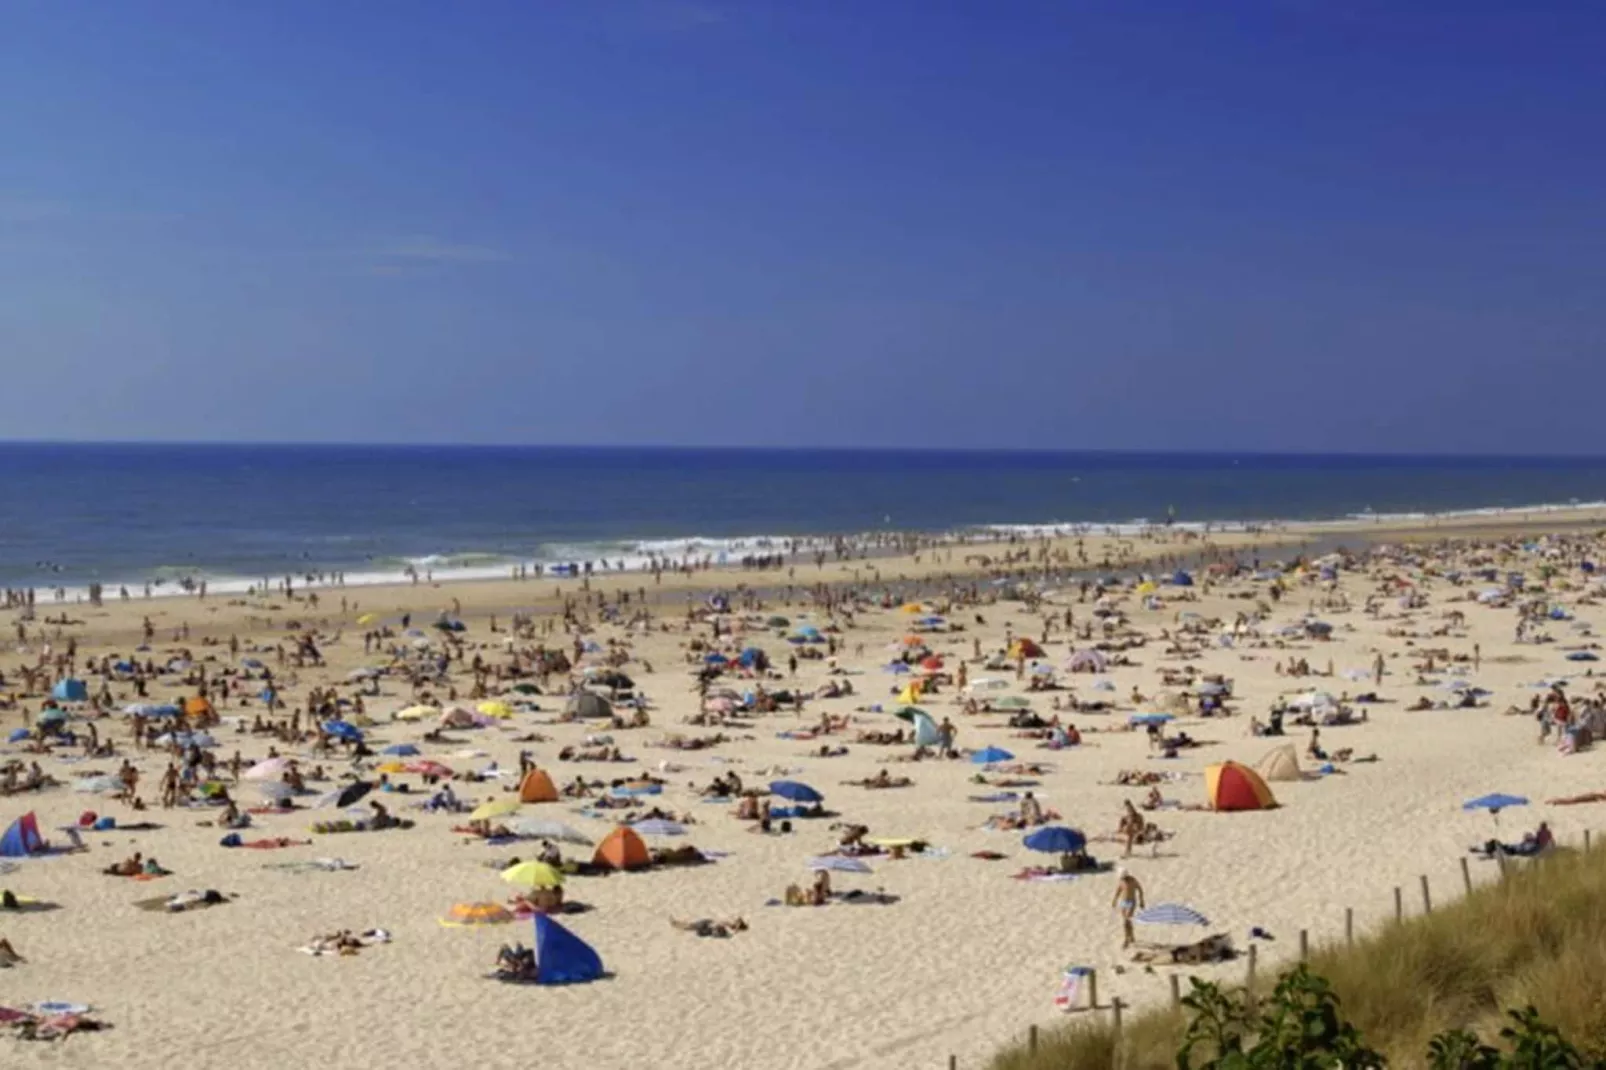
[(1280, 225)]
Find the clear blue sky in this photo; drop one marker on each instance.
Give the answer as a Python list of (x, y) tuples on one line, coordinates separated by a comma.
[(1290, 225)]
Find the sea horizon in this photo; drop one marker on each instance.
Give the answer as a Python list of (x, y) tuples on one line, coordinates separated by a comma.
[(237, 513)]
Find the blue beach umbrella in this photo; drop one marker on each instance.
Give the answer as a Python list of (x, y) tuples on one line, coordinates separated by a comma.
[(17, 735), (343, 730), (896, 668), (53, 715), (401, 750), (989, 755), (795, 791), (1055, 839), (1494, 803), (1149, 718), (659, 827), (1170, 914)]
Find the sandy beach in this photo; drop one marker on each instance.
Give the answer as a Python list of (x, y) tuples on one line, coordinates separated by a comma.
[(962, 956)]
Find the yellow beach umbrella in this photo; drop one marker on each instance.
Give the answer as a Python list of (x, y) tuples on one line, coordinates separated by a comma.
[(495, 708), (473, 915), (532, 874), (367, 618), (393, 767), (416, 713), (494, 809)]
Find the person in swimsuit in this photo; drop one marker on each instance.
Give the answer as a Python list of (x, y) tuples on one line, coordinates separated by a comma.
[(1128, 900)]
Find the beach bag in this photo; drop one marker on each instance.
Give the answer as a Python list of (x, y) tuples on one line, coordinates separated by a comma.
[(1069, 994), (231, 840)]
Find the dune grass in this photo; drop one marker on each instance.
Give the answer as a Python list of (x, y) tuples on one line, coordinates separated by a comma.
[(1536, 938)]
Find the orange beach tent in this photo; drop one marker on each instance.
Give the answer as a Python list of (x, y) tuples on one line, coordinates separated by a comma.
[(1231, 786), (622, 849), (537, 787)]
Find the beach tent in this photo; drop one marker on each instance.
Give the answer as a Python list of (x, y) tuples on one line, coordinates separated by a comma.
[(911, 692), (1181, 579), (589, 704), (1231, 786), (1025, 648), (22, 838), (196, 706), (926, 731), (537, 787), (1280, 763), (70, 690), (562, 958), (622, 849), (1088, 661)]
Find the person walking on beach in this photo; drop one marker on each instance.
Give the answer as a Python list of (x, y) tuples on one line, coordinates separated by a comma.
[(1128, 900)]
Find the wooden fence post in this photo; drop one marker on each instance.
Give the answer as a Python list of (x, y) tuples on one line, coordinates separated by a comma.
[(1031, 1039), (1349, 926), (1176, 991), (1466, 874), (1399, 904), (1093, 989), (1586, 840), (1304, 946), (953, 1062), (1427, 900), (1115, 1005), (1249, 981)]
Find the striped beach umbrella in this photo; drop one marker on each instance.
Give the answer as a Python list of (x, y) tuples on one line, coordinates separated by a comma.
[(1170, 914)]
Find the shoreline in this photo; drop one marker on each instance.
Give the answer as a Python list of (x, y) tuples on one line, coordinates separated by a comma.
[(871, 547)]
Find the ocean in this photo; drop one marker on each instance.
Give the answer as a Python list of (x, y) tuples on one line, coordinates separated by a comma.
[(235, 514)]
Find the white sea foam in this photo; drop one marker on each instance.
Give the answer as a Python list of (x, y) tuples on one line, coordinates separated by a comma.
[(553, 560)]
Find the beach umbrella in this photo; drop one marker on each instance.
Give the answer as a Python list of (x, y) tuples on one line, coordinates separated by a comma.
[(795, 791), (416, 713), (546, 829), (896, 668), (659, 827), (1211, 689), (487, 811), (1494, 803), (391, 767), (495, 708), (401, 750), (474, 915), (989, 755), (1055, 839), (267, 769), (533, 874), (53, 715), (931, 663), (428, 768), (364, 673), (344, 730), (1170, 914), (353, 792), (1013, 702), (1149, 718), (838, 864), (777, 622), (277, 789), (367, 618), (97, 784), (17, 735)]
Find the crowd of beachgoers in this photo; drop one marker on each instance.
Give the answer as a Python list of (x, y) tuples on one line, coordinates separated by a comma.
[(635, 802)]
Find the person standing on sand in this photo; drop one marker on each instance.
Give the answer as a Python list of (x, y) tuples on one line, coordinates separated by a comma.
[(1128, 900)]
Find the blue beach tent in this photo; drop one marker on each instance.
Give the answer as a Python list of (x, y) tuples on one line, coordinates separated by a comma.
[(22, 838), (562, 958), (70, 690)]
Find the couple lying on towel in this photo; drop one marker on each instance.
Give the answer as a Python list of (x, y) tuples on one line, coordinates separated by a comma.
[(1532, 843), (1217, 948)]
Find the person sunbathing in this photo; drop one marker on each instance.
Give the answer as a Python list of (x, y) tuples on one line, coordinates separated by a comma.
[(709, 927), (131, 866), (881, 780)]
